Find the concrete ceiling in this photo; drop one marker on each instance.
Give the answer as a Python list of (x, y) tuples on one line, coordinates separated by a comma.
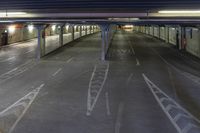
[(97, 11)]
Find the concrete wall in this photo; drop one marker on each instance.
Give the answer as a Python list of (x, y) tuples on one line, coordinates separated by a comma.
[(156, 31), (52, 40), (83, 33), (18, 34), (172, 35), (67, 38), (162, 33), (169, 35), (76, 35), (147, 30), (151, 30), (193, 41)]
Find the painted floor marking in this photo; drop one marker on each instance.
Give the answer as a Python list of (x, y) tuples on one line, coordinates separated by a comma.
[(96, 84), (183, 121), (69, 60), (10, 117), (137, 62), (132, 49), (129, 78), (57, 72), (29, 51), (18, 70), (186, 74), (119, 117), (11, 58), (107, 104)]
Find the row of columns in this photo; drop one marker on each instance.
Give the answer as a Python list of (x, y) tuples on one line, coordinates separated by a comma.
[(107, 32), (180, 33), (41, 36)]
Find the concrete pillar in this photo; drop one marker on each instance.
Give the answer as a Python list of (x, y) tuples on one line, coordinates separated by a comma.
[(40, 51), (167, 34), (61, 35), (180, 37), (103, 53), (90, 29), (80, 31), (72, 31), (105, 41), (86, 31), (153, 30)]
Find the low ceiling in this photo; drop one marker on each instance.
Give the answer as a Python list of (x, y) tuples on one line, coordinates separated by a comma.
[(96, 5), (98, 10)]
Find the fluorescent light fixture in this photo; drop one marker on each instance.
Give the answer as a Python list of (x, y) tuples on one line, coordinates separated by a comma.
[(6, 21), (13, 13), (11, 29), (67, 27), (53, 27), (30, 28), (128, 26), (179, 11)]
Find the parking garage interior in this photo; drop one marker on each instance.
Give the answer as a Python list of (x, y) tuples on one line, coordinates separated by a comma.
[(99, 66)]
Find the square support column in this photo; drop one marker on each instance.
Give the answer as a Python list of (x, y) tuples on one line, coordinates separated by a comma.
[(72, 31), (61, 35), (167, 34), (40, 51), (105, 41), (80, 31), (86, 32)]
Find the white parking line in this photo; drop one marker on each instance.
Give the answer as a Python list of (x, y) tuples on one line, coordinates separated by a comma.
[(24, 102), (137, 62), (29, 51), (96, 85), (119, 117), (107, 104), (11, 58), (161, 97), (186, 74), (129, 78), (69, 60), (132, 49), (57, 72)]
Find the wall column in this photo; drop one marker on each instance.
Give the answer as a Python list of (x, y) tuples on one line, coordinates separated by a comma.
[(72, 31), (80, 31), (86, 32), (105, 41), (40, 51), (61, 35)]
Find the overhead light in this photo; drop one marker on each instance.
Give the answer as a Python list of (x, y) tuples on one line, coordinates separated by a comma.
[(6, 21), (53, 27), (179, 11), (4, 14), (11, 29), (13, 13), (67, 27), (30, 28)]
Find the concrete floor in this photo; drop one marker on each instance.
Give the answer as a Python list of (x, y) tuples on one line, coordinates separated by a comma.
[(145, 86)]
